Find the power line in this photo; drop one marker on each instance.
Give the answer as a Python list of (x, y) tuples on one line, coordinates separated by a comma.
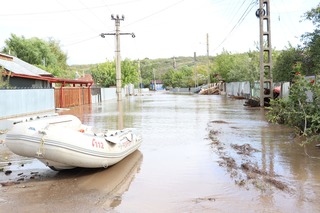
[(241, 19), (81, 41), (83, 22), (155, 13), (66, 10)]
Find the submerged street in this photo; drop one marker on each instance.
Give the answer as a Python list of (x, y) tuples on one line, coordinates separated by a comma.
[(199, 154)]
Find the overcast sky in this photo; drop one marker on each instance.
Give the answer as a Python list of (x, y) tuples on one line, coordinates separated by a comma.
[(163, 28)]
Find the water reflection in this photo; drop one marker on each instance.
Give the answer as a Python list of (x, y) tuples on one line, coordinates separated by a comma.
[(109, 184), (120, 115), (76, 190)]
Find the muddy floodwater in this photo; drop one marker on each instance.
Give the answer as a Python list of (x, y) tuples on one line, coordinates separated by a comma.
[(199, 154)]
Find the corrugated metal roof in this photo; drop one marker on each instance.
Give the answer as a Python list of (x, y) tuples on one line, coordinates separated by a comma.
[(21, 67)]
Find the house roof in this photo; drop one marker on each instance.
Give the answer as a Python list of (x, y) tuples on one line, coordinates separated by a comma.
[(22, 69), (156, 81), (19, 67)]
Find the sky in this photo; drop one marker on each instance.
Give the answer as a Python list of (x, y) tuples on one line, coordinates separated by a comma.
[(163, 28)]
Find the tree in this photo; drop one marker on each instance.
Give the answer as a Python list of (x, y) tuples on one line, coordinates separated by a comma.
[(129, 72), (146, 67), (183, 77), (167, 78), (237, 67), (105, 74), (287, 61), (44, 54), (312, 42)]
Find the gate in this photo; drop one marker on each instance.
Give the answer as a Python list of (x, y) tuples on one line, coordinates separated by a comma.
[(72, 96)]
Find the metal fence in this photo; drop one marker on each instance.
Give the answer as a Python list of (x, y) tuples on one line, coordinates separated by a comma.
[(19, 102), (238, 89)]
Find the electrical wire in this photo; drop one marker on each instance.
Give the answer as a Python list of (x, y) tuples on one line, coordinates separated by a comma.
[(241, 19), (155, 13), (81, 41), (65, 10)]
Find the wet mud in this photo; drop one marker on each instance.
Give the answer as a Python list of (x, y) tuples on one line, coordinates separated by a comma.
[(241, 165)]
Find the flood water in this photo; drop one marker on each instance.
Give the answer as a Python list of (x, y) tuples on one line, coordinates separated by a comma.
[(190, 160)]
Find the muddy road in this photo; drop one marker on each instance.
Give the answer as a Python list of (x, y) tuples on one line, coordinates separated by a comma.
[(199, 154)]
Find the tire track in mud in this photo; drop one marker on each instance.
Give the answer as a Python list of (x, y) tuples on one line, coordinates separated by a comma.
[(239, 161)]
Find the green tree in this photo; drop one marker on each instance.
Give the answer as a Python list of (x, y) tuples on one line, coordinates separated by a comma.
[(44, 54), (183, 77), (237, 67), (129, 72), (105, 74), (312, 42), (146, 67), (283, 69), (167, 78)]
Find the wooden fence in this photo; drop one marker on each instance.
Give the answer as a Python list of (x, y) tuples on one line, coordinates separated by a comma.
[(72, 96)]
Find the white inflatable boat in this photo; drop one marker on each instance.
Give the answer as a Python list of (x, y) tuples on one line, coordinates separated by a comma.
[(63, 142)]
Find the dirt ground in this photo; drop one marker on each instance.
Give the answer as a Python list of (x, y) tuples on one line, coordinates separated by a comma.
[(27, 186)]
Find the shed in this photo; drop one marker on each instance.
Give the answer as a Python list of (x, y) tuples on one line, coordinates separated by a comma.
[(156, 85)]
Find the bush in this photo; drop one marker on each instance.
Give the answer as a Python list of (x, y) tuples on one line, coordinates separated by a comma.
[(299, 110)]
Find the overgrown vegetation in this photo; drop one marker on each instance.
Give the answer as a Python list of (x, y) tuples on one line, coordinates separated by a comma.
[(300, 110), (4, 80)]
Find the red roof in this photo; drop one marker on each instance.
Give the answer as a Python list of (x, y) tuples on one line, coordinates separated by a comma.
[(63, 81)]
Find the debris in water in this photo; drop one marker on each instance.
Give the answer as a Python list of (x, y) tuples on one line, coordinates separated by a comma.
[(9, 183), (8, 172), (244, 149)]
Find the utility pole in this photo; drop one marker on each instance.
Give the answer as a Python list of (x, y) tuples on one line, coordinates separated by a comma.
[(208, 68), (117, 20), (263, 13), (195, 69), (140, 79), (154, 80), (174, 63)]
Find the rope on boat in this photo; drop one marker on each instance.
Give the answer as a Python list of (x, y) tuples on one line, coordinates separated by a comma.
[(41, 150)]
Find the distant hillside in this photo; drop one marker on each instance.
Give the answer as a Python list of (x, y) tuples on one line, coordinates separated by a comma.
[(84, 68), (160, 65)]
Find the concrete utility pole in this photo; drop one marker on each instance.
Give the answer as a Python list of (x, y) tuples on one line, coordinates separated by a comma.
[(117, 52), (195, 69), (140, 78), (208, 68), (154, 80), (174, 63), (263, 13)]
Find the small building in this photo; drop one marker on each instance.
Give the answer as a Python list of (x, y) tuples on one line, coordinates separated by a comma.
[(156, 85), (22, 74)]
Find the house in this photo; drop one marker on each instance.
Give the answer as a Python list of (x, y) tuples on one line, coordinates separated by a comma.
[(156, 85), (22, 74)]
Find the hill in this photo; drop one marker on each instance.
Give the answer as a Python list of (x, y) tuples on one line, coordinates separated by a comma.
[(160, 66)]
